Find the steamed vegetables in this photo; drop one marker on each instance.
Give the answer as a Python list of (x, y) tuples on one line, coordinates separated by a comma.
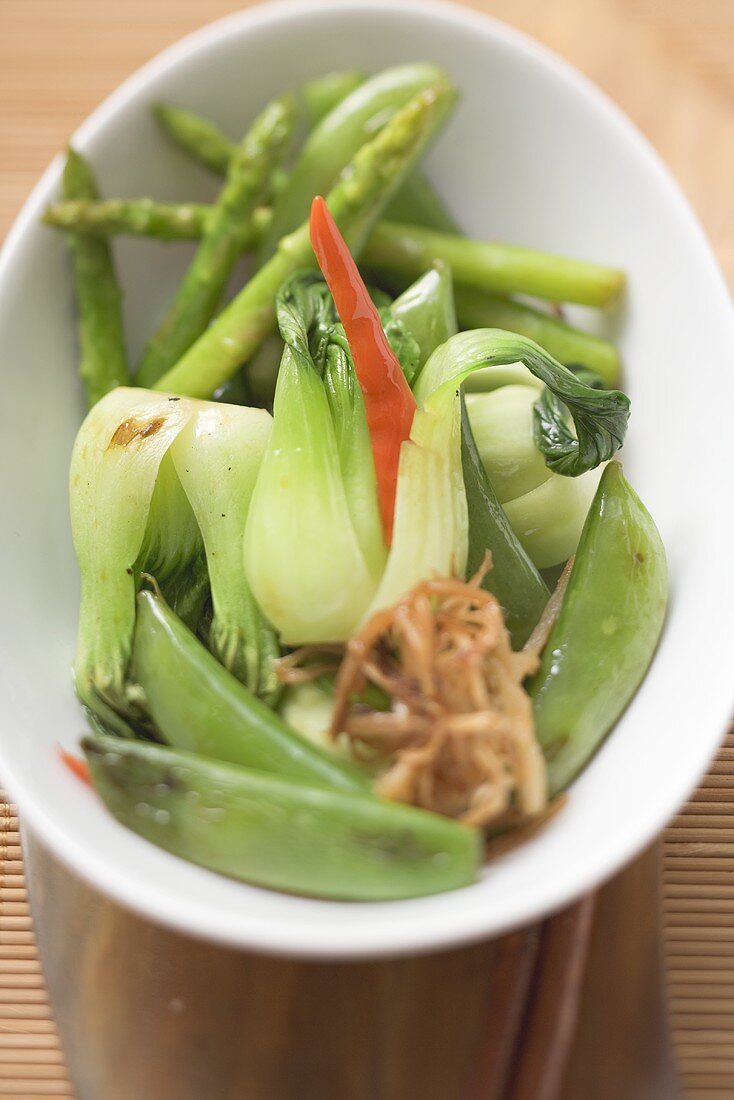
[(331, 512)]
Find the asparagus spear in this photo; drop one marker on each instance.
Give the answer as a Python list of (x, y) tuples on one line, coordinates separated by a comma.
[(356, 202), (205, 142), (501, 268), (477, 309), (336, 140), (225, 232), (196, 136), (277, 833), (103, 360), (134, 217), (484, 268)]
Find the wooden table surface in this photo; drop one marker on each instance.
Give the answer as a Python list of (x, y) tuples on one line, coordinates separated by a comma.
[(669, 64)]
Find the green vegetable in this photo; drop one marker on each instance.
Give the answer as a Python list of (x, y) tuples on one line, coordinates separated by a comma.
[(501, 268), (205, 142), (248, 176), (548, 520), (150, 475), (217, 456), (135, 217), (200, 707), (115, 465), (307, 708), (546, 510), (277, 833), (607, 630), (426, 308), (502, 426), (415, 202), (430, 528), (316, 486), (513, 578), (196, 136), (599, 416), (103, 362), (478, 309), (356, 202), (322, 94), (403, 343), (353, 123)]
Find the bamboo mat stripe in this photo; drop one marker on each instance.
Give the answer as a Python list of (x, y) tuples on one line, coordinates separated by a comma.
[(698, 918), (31, 1059)]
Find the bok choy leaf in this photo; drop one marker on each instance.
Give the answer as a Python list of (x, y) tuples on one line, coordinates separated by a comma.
[(313, 545), (599, 416), (217, 456)]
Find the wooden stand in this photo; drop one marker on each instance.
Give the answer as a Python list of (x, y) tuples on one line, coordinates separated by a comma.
[(147, 1014)]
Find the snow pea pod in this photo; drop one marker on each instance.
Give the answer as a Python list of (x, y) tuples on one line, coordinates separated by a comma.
[(607, 630), (276, 833), (199, 706), (513, 578)]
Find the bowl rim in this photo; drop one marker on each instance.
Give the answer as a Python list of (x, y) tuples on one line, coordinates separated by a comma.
[(458, 925)]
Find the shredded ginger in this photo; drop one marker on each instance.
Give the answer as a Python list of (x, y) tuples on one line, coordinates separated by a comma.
[(457, 733)]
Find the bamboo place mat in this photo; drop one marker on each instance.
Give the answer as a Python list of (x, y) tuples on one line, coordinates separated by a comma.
[(668, 63), (31, 1061), (698, 917)]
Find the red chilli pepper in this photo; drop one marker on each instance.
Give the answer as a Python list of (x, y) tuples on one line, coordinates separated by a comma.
[(79, 767), (388, 399)]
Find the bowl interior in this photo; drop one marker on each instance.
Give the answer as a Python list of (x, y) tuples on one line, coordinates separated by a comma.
[(533, 155)]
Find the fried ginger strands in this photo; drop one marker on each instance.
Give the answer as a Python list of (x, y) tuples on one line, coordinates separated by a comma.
[(458, 735)]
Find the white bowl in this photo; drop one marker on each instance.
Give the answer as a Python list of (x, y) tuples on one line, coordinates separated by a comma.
[(534, 155)]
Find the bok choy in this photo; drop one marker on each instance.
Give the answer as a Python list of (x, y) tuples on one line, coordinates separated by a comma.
[(156, 483)]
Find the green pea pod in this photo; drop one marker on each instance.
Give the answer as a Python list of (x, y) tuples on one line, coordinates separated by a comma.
[(427, 310), (513, 578), (201, 707), (338, 137), (276, 833), (607, 631)]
